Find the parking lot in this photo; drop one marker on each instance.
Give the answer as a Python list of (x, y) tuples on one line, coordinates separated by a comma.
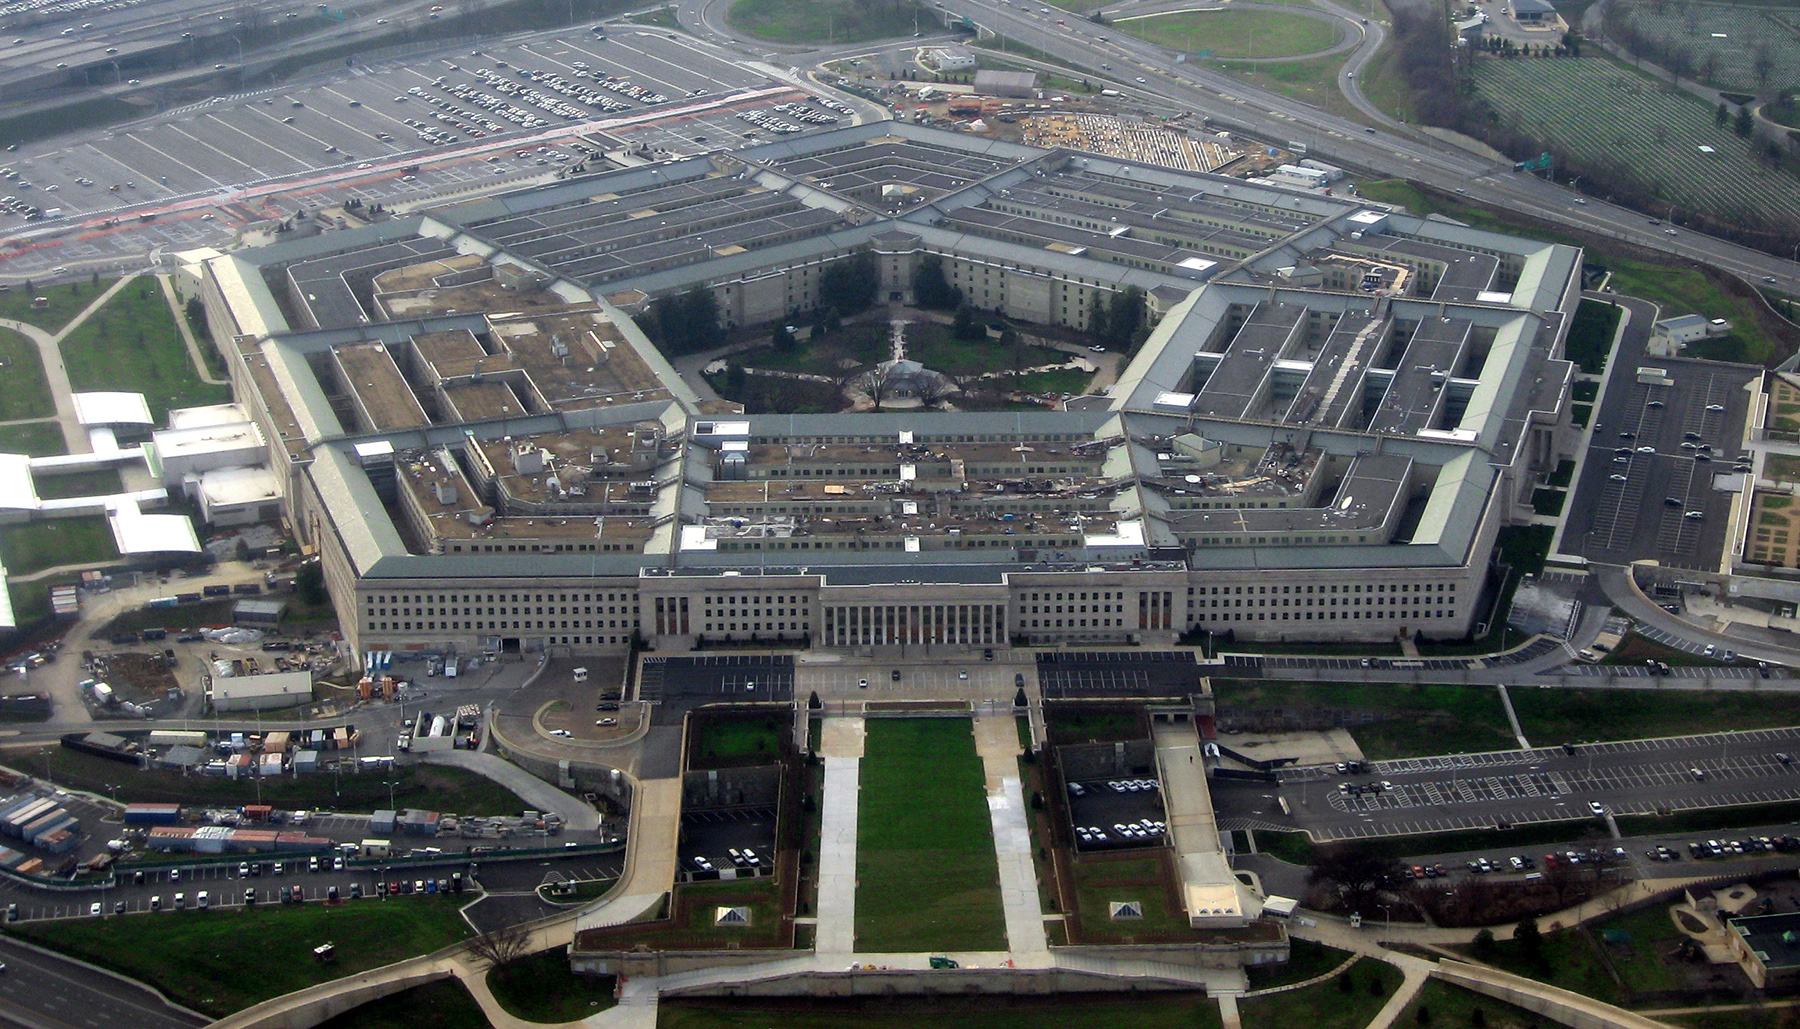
[(1117, 674), (462, 121), (1634, 777), (1661, 465), (675, 684), (1116, 814), (713, 835)]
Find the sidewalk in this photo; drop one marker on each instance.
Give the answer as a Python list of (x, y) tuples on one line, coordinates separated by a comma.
[(841, 745), (997, 741)]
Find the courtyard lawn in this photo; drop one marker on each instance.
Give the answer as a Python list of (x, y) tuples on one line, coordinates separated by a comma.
[(204, 960), (24, 392), (1139, 879), (829, 21), (933, 346), (36, 439), (1235, 33), (927, 877), (835, 354), (33, 546), (1591, 336), (66, 300), (541, 988), (729, 740), (98, 482), (132, 344)]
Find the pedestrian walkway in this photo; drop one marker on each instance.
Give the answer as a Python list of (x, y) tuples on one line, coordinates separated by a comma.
[(997, 742), (650, 856), (201, 370), (577, 814), (841, 745)]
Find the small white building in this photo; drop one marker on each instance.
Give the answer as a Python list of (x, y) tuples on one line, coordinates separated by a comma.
[(1296, 177), (949, 58), (1669, 336), (236, 496), (261, 692)]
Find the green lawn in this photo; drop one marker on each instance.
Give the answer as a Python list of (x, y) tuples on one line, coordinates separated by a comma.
[(432, 786), (1306, 959), (1234, 33), (662, 18), (691, 924), (24, 392), (222, 960), (1570, 959), (829, 21), (733, 740), (98, 482), (1326, 1005), (1455, 1007), (836, 354), (447, 1000), (1548, 502), (1640, 963), (37, 439), (1063, 380), (1415, 719), (66, 301), (1312, 80), (1099, 883), (1558, 715), (1591, 336), (1140, 1011), (927, 877), (933, 346), (132, 344), (31, 546), (541, 988), (1077, 724)]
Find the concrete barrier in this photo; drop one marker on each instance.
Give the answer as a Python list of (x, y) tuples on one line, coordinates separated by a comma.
[(304, 1009), (1570, 1009)]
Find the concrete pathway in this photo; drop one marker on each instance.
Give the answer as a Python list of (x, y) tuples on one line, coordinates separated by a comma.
[(841, 745), (542, 796), (1228, 1012), (997, 741), (649, 874), (187, 332)]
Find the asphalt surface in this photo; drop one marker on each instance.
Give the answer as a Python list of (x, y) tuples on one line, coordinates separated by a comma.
[(1544, 784), (43, 991), (1647, 489), (677, 684)]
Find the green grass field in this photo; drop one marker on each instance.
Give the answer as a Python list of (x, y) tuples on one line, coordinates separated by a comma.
[(219, 961), (1089, 1011), (98, 482), (927, 877), (1591, 336), (439, 788), (690, 925), (1455, 1007), (541, 988), (37, 439), (24, 392), (1415, 719), (1326, 1005), (1306, 959), (1234, 33), (1312, 80), (1063, 380), (733, 740), (1570, 960), (1100, 883), (829, 21), (133, 344), (1599, 110), (448, 1001), (1558, 715), (33, 546), (66, 300), (933, 346)]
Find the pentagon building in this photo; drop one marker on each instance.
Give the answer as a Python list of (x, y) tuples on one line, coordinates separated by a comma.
[(1337, 410)]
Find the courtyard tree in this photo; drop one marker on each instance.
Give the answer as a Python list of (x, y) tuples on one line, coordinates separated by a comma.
[(1357, 874), (849, 285), (931, 289), (1745, 123)]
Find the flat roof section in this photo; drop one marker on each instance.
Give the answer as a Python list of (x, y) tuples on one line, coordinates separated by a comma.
[(384, 401), (577, 358), (1333, 390), (323, 289), (1239, 383), (1421, 383), (482, 402)]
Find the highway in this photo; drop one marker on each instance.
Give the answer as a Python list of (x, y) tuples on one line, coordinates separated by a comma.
[(1234, 104), (40, 990)]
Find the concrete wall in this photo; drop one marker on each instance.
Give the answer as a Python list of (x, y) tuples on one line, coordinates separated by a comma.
[(308, 1008), (731, 787), (1081, 761), (1570, 1009), (942, 981)]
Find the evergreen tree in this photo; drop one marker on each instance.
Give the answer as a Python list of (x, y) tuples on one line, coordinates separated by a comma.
[(849, 285), (931, 288), (967, 326), (1721, 116), (1746, 122)]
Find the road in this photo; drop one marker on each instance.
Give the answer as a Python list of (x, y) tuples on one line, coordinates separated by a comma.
[(44, 991)]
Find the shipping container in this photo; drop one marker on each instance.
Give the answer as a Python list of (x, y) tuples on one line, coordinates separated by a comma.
[(177, 738), (164, 602), (215, 591), (152, 814), (256, 812), (375, 848), (67, 823), (18, 819), (32, 866), (59, 842)]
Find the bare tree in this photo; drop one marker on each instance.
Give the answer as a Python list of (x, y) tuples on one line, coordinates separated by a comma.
[(501, 947)]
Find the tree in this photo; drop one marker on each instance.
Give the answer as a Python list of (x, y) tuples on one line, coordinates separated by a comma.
[(1477, 1019), (1357, 874), (502, 947), (196, 316), (931, 289), (1745, 123), (1423, 1015), (782, 339), (1722, 115), (850, 284), (1529, 938), (1097, 325), (1125, 319), (309, 584), (967, 325), (1483, 946), (735, 377)]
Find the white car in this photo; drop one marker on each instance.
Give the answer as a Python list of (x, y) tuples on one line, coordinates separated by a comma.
[(561, 732)]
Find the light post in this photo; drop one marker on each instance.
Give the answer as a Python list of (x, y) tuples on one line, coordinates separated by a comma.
[(1387, 917)]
